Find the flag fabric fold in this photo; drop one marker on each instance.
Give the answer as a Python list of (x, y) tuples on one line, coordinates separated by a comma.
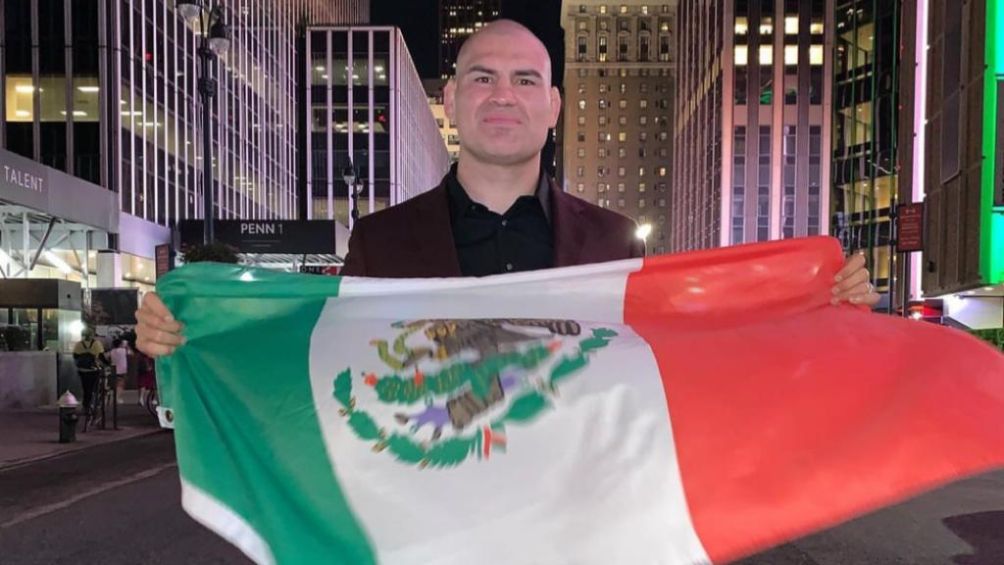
[(679, 409)]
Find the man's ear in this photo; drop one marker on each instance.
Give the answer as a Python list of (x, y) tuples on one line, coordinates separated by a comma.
[(450, 100), (555, 106)]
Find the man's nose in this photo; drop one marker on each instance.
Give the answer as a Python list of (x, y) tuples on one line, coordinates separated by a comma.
[(502, 94)]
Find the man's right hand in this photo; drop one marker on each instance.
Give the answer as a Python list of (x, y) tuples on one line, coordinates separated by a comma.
[(157, 332)]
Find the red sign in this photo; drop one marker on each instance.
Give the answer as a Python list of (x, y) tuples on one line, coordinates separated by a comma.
[(910, 228), (162, 258)]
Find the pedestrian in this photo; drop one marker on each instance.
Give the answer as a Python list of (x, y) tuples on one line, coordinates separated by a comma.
[(146, 376), (120, 362), (88, 356), (496, 211)]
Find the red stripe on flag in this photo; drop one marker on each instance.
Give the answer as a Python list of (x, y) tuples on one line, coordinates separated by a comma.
[(790, 415)]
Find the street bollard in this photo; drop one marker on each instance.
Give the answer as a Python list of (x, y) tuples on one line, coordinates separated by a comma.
[(68, 417)]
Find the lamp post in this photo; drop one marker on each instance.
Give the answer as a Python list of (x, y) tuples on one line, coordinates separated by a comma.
[(350, 177), (214, 40)]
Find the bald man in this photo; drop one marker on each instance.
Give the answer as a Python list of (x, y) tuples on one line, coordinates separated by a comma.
[(496, 211)]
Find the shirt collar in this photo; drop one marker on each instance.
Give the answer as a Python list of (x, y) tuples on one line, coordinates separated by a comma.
[(461, 202)]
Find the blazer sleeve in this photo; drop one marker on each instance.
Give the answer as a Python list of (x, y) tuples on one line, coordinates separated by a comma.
[(355, 259)]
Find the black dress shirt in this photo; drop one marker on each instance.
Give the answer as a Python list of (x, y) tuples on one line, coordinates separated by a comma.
[(489, 244)]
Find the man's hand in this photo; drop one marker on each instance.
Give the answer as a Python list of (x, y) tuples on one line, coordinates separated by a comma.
[(157, 332), (853, 283)]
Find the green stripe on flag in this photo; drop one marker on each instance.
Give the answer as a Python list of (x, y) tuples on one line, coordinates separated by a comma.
[(246, 427)]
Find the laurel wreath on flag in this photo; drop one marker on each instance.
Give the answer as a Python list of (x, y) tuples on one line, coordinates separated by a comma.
[(454, 451)]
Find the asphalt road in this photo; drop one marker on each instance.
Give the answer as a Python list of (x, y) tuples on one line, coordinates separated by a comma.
[(119, 504)]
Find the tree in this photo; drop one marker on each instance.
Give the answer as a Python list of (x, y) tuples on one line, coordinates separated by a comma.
[(216, 252)]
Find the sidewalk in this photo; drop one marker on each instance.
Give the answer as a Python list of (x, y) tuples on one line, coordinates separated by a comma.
[(32, 435)]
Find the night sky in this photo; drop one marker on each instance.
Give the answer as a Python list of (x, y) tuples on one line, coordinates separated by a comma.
[(419, 23)]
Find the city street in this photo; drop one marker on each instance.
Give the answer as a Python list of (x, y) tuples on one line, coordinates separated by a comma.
[(119, 503)]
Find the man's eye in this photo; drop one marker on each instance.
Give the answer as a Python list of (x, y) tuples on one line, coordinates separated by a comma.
[(526, 82), (483, 80)]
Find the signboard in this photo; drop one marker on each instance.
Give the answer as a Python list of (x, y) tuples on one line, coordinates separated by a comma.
[(910, 227), (163, 259), (295, 237), (23, 181), (320, 269)]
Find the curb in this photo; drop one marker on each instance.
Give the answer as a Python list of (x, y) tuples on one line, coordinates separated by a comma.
[(17, 463)]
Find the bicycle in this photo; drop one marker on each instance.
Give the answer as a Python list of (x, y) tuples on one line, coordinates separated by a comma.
[(151, 402), (102, 397)]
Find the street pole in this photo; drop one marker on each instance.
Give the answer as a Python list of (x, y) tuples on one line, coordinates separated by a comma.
[(207, 91)]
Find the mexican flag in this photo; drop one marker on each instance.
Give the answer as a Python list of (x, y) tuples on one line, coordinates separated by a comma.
[(678, 409)]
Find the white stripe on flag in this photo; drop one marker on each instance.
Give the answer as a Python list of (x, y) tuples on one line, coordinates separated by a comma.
[(593, 480), (212, 514), (565, 293)]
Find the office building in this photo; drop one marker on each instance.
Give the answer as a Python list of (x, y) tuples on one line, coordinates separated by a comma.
[(366, 105), (616, 138)]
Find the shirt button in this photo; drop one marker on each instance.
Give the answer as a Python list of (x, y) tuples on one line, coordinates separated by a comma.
[(505, 223), (508, 266)]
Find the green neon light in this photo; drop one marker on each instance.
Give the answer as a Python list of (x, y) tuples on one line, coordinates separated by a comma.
[(992, 221)]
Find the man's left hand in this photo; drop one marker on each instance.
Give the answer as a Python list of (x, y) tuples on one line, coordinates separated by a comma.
[(853, 283)]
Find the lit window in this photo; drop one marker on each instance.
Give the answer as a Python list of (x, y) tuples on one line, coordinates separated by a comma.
[(622, 103), (641, 188), (816, 55), (791, 55), (644, 10), (621, 172), (583, 25), (603, 8), (816, 27), (742, 55), (580, 187), (582, 120), (641, 171), (622, 120), (582, 104), (766, 26), (662, 171), (643, 120), (641, 203), (582, 152), (643, 104), (766, 54), (622, 136), (742, 26), (620, 187), (623, 9), (791, 25)]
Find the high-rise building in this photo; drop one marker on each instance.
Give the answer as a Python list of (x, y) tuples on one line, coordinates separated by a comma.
[(866, 125), (617, 120), (366, 105), (753, 121), (101, 107), (447, 128), (458, 20), (963, 158)]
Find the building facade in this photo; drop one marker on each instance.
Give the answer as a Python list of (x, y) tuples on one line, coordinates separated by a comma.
[(617, 122), (104, 92), (458, 20), (447, 128), (866, 125), (963, 180), (756, 82), (366, 103)]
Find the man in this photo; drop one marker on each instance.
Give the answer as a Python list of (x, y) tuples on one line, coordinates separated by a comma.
[(495, 212), (88, 356)]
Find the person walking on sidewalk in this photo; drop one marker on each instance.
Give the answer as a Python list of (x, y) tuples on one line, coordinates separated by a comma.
[(120, 360), (88, 356)]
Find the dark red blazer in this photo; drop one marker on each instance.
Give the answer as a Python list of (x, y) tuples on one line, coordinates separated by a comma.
[(415, 240)]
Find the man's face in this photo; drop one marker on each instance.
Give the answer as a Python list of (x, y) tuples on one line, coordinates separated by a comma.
[(501, 99)]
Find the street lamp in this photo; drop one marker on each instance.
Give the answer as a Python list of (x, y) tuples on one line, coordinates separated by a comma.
[(643, 231), (349, 176), (214, 40)]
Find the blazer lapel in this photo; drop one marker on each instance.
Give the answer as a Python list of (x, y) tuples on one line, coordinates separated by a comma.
[(569, 233), (433, 249)]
